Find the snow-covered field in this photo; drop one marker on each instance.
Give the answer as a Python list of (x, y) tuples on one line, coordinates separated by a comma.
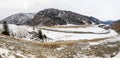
[(97, 32), (81, 33), (94, 29), (71, 36)]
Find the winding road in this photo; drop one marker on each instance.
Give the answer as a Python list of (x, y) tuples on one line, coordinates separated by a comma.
[(76, 32)]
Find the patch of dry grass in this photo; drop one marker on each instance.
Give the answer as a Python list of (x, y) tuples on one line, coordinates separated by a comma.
[(55, 44), (68, 43), (45, 49)]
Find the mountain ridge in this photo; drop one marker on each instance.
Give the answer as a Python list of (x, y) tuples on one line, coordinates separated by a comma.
[(50, 17), (18, 18)]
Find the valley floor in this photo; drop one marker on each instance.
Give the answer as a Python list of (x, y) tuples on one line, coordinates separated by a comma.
[(77, 32)]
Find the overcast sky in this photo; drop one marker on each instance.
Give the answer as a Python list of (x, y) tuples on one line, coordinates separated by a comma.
[(101, 9)]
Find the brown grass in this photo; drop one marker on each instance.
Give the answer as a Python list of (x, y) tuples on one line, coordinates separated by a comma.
[(116, 27), (41, 49), (55, 44), (68, 43)]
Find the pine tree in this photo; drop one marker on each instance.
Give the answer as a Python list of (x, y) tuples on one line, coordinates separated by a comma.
[(5, 28), (40, 34)]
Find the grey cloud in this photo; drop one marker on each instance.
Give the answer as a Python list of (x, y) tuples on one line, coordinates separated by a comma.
[(102, 9)]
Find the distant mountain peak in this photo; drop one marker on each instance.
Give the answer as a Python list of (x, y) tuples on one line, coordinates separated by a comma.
[(51, 16), (19, 18)]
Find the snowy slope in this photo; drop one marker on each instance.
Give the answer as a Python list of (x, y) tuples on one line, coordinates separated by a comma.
[(23, 32), (19, 18)]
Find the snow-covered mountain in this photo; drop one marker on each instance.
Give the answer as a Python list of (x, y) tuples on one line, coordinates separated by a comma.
[(108, 22), (50, 17), (19, 18)]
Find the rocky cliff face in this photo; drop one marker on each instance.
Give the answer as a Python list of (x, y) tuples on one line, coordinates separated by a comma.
[(50, 17), (19, 19), (116, 26)]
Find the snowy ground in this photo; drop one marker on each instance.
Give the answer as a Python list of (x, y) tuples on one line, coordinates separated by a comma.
[(92, 32), (94, 29), (22, 32), (75, 48), (5, 53), (72, 36), (117, 56), (57, 34)]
